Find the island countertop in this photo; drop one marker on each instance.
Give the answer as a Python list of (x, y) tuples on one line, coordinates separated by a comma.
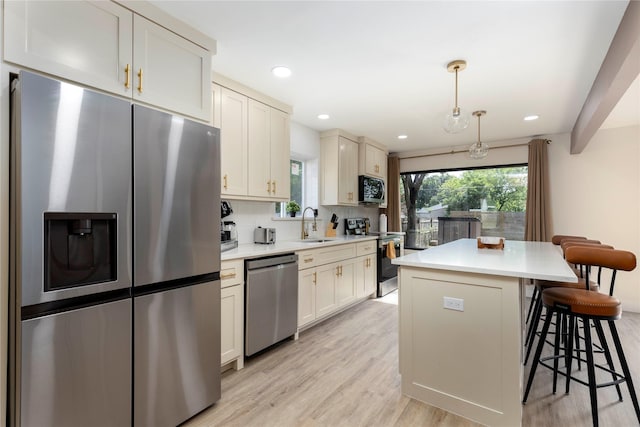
[(530, 260)]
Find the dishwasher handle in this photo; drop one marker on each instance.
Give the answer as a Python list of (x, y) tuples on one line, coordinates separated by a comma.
[(256, 263)]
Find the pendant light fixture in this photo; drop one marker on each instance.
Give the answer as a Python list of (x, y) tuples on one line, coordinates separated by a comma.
[(457, 120), (479, 150)]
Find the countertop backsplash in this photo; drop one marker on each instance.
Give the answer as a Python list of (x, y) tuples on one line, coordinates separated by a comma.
[(248, 215)]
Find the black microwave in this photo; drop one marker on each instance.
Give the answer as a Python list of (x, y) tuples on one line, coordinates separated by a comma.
[(370, 190)]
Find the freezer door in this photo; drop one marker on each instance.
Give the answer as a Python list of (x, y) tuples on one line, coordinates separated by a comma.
[(177, 354), (176, 197), (76, 368), (71, 149)]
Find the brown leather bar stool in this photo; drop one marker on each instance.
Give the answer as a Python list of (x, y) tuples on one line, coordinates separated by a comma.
[(556, 240), (593, 308), (541, 285)]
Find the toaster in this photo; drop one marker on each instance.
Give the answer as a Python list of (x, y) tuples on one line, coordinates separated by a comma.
[(264, 235)]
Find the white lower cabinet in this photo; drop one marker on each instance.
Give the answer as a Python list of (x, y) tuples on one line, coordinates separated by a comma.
[(232, 314), (366, 268), (307, 296), (330, 279), (346, 283), (325, 289), (365, 275)]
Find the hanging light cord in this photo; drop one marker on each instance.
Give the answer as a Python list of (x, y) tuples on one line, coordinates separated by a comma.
[(456, 110), (478, 144)]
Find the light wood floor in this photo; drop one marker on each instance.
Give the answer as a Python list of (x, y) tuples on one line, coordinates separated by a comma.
[(344, 372)]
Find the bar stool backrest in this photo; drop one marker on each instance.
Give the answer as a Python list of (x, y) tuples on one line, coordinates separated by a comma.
[(613, 259), (593, 243), (590, 243), (557, 239)]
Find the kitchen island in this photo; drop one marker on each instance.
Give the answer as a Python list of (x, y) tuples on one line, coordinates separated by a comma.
[(461, 324)]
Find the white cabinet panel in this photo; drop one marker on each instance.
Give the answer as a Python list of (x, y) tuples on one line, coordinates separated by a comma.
[(279, 155), (259, 170), (170, 71), (106, 46), (347, 172), (231, 114), (268, 152), (346, 283), (231, 325), (339, 170), (326, 289), (365, 275), (84, 41), (306, 296), (375, 161)]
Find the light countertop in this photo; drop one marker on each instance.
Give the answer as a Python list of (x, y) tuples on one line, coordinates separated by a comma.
[(531, 260), (253, 250)]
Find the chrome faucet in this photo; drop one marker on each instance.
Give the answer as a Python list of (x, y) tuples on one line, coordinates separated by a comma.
[(304, 233)]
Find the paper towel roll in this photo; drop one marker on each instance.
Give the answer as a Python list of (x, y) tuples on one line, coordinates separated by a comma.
[(383, 223)]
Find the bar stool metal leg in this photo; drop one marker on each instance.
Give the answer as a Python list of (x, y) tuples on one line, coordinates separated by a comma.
[(591, 372), (536, 357), (625, 367), (607, 355), (534, 297)]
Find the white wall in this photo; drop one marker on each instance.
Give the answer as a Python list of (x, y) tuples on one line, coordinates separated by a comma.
[(597, 194), (594, 194), (305, 145)]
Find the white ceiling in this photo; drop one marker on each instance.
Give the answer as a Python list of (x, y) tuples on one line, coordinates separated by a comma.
[(378, 68)]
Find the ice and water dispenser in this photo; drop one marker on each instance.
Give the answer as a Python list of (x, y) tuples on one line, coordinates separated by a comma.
[(80, 249)]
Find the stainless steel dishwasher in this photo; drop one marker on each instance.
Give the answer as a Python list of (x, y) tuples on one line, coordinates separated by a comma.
[(271, 301)]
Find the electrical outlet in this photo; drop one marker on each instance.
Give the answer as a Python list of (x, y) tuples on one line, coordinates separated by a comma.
[(453, 303)]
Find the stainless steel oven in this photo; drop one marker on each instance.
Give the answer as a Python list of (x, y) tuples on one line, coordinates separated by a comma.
[(389, 247)]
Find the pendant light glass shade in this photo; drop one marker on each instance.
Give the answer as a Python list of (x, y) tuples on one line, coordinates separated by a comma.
[(479, 150), (457, 120)]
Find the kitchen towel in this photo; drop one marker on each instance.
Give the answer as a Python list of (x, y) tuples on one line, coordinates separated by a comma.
[(391, 250)]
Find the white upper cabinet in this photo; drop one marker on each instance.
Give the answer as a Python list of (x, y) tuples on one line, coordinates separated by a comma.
[(339, 169), (279, 156), (170, 71), (268, 153), (87, 42), (106, 46), (372, 158), (230, 115), (255, 142)]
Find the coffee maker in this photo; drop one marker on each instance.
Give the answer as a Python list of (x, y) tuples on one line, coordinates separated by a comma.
[(228, 231)]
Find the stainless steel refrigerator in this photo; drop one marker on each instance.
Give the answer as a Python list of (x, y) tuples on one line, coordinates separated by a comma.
[(176, 273), (114, 292)]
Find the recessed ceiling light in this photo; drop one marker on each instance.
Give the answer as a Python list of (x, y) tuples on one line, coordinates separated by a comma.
[(281, 71), (531, 117), (402, 136), (323, 116)]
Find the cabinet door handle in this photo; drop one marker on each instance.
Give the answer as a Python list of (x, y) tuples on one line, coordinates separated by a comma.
[(228, 276), (308, 259), (140, 80), (225, 181), (337, 271), (274, 187), (269, 187), (315, 277), (127, 76)]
